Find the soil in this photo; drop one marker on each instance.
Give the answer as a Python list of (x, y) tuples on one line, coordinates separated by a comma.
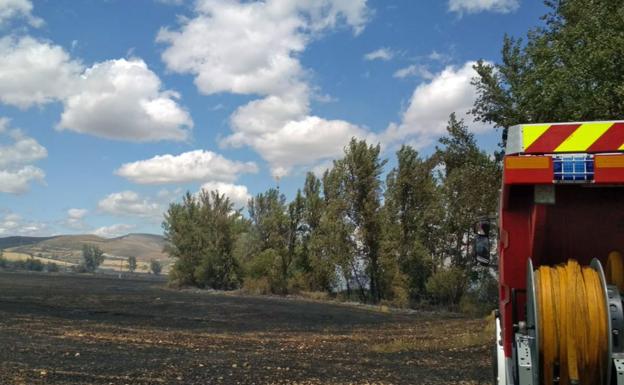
[(82, 330)]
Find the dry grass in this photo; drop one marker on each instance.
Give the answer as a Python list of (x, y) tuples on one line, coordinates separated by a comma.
[(117, 264), (315, 295), (13, 256), (438, 338)]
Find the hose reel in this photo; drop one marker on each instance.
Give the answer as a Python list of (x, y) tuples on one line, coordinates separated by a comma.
[(574, 331)]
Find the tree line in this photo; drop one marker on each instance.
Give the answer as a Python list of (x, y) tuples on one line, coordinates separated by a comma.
[(404, 238)]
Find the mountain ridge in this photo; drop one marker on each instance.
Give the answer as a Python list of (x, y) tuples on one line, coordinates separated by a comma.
[(143, 246)]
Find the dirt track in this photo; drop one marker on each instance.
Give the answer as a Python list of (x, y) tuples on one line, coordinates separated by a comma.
[(85, 330)]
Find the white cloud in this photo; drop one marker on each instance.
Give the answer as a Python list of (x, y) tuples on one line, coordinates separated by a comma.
[(432, 102), (22, 151), (304, 142), (34, 72), (198, 165), (238, 194), (16, 158), (439, 57), (283, 133), (384, 54), (14, 224), (414, 70), (116, 99), (131, 204), (476, 6), (113, 231), (253, 48), (75, 219), (18, 9), (17, 181), (240, 48), (76, 213), (122, 99)]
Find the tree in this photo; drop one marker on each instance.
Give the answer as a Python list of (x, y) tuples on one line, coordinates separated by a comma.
[(570, 69), (185, 239), (155, 267), (316, 259), (274, 231), (132, 264), (331, 246), (362, 169), (410, 196), (469, 182), (201, 233), (92, 257)]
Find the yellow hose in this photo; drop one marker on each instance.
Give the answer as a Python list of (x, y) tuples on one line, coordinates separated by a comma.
[(615, 270), (572, 324)]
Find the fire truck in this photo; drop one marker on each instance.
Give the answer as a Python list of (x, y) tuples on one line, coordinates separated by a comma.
[(560, 241)]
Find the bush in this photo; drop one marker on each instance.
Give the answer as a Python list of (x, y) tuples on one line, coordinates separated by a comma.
[(482, 296), (52, 267), (257, 286), (155, 267), (79, 268), (297, 283), (266, 265), (30, 264), (447, 286), (315, 295), (400, 291)]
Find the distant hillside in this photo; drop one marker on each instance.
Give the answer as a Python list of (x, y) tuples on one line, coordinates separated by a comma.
[(7, 242), (144, 247)]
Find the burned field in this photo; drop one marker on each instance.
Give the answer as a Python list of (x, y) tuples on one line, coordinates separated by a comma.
[(91, 330)]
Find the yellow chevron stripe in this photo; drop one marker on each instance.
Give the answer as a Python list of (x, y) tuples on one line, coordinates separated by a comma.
[(584, 137), (530, 133), (621, 148)]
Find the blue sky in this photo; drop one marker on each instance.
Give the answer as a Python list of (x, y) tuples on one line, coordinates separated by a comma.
[(111, 109)]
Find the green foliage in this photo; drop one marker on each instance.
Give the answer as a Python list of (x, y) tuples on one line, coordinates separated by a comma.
[(469, 190), (570, 69), (132, 264), (155, 267), (30, 264), (201, 233), (52, 267), (267, 265), (362, 169), (410, 201), (347, 234), (447, 285), (92, 258)]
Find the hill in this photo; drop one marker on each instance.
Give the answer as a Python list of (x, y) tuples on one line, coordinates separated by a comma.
[(144, 247), (7, 242)]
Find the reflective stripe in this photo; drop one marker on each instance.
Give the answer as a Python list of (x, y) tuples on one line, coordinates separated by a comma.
[(584, 137), (532, 132), (552, 138)]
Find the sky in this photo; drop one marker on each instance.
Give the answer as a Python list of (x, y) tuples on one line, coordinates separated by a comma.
[(112, 109)]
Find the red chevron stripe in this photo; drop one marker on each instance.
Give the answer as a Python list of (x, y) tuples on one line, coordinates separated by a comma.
[(611, 140), (552, 138)]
